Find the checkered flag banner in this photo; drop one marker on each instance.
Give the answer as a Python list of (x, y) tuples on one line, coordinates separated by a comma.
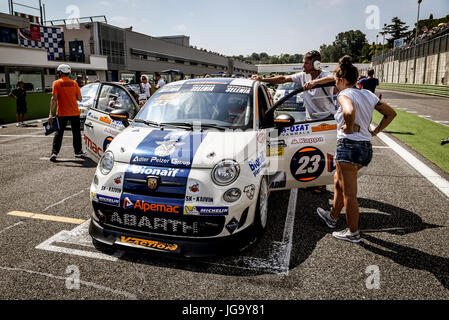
[(42, 37)]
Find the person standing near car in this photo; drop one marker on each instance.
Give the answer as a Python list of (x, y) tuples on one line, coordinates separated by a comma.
[(370, 83), (160, 82), (145, 86), (318, 102), (65, 95), (21, 104), (354, 149)]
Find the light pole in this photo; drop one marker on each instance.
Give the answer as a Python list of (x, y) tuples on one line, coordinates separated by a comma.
[(416, 38)]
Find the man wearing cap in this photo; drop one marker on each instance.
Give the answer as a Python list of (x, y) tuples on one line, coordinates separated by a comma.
[(65, 95), (318, 102)]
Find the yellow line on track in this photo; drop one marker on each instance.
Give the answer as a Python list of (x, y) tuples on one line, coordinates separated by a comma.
[(38, 216)]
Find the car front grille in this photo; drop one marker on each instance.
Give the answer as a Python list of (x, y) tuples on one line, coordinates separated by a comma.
[(159, 223)]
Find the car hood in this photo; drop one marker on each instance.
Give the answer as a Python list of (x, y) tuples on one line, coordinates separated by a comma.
[(183, 148)]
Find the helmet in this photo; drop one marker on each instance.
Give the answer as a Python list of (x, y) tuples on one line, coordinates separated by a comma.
[(64, 68)]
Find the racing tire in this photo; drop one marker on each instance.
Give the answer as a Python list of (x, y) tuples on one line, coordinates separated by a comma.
[(261, 214)]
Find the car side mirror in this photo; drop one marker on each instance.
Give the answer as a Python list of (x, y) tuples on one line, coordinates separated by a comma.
[(284, 121), (120, 115)]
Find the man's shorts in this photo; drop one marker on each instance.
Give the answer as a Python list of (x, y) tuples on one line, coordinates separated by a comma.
[(359, 153), (22, 108)]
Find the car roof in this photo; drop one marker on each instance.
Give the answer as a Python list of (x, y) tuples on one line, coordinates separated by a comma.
[(228, 81)]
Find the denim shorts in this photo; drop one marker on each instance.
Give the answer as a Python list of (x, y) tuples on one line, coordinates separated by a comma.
[(359, 153)]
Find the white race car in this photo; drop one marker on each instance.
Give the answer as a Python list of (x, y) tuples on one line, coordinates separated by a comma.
[(191, 174)]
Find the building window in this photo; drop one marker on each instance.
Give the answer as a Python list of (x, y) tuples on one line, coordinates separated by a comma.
[(8, 35), (32, 80)]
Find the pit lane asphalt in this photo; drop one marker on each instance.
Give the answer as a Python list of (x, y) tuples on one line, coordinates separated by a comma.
[(404, 221)]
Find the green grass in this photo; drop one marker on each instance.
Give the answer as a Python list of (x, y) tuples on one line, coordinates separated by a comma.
[(38, 106), (428, 89), (422, 135)]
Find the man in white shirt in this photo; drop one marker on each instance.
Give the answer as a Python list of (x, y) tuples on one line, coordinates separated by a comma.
[(160, 82), (318, 102)]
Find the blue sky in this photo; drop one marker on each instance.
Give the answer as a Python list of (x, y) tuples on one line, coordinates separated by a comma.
[(234, 27)]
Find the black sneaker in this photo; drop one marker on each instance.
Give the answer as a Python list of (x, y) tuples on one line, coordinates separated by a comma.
[(444, 141), (53, 157), (80, 155)]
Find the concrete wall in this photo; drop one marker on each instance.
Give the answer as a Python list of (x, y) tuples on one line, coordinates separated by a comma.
[(432, 69)]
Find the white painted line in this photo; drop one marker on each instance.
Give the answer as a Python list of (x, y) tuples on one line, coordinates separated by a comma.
[(381, 147), (412, 111), (84, 283), (65, 199), (287, 237), (424, 116), (7, 228), (68, 237), (429, 174)]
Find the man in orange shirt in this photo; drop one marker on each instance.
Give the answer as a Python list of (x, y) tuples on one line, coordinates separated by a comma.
[(66, 93)]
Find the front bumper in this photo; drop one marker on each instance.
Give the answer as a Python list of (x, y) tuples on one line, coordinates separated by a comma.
[(187, 247)]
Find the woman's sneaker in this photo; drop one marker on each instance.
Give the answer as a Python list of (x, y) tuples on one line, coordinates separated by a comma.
[(326, 216), (347, 235), (53, 157)]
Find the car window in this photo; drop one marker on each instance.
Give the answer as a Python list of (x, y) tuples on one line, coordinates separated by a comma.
[(289, 86), (219, 104), (89, 91), (114, 98)]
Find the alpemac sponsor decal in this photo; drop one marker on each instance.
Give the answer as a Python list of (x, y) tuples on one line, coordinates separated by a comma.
[(206, 211), (144, 206)]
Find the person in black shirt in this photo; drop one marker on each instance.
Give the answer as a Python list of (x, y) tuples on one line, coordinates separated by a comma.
[(20, 95), (369, 83)]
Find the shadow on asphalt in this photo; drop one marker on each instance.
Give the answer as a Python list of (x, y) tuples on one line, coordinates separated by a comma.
[(400, 132), (410, 258), (309, 229), (77, 163)]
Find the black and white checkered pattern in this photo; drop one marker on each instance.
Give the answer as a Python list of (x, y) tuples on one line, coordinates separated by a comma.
[(50, 40)]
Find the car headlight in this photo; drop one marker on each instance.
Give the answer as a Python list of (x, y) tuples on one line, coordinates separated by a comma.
[(107, 162), (225, 172)]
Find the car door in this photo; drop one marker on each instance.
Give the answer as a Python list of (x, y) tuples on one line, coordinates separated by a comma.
[(100, 129), (302, 155)]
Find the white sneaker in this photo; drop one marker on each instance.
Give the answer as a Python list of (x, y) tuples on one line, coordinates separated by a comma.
[(326, 216), (347, 235), (18, 124)]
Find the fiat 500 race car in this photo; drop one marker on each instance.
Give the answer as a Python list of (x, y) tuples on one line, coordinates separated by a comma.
[(191, 174)]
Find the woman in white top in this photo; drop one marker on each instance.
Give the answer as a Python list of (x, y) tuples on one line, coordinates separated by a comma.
[(354, 150)]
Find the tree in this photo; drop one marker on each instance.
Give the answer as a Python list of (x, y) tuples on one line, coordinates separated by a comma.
[(350, 42), (397, 30)]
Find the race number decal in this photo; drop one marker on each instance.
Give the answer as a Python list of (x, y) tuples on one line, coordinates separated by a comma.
[(307, 164)]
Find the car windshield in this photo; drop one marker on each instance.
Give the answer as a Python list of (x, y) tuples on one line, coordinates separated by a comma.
[(89, 91), (199, 103), (289, 86)]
